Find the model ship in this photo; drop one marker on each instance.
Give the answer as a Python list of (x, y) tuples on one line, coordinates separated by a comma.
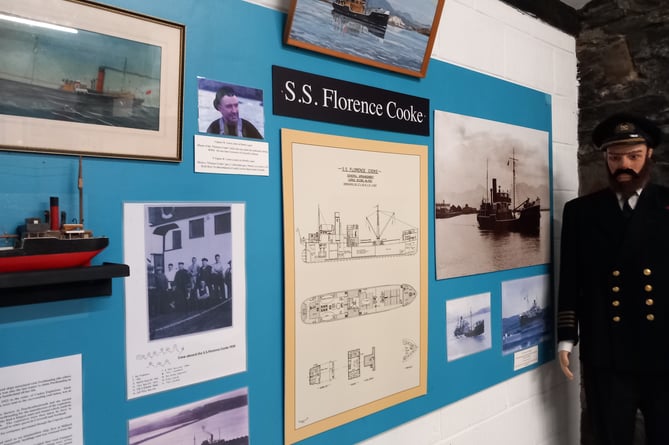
[(498, 211), (48, 244), (330, 243), (357, 9), (352, 303)]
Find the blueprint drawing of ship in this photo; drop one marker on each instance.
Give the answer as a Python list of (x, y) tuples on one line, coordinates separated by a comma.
[(384, 235), (352, 303)]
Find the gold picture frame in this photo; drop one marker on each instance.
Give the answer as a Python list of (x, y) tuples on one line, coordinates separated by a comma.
[(89, 79), (355, 285)]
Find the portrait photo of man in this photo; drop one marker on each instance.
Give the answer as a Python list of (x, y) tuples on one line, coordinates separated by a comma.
[(230, 110)]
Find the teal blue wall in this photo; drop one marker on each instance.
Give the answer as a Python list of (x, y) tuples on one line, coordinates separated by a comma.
[(95, 327)]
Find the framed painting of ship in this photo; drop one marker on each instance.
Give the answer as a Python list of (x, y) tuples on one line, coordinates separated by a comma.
[(492, 196), (89, 79), (355, 278), (389, 34)]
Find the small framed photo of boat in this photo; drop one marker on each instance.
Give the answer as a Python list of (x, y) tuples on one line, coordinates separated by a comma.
[(356, 278), (397, 36), (88, 79)]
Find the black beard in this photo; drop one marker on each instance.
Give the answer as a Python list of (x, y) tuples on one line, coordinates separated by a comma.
[(639, 180)]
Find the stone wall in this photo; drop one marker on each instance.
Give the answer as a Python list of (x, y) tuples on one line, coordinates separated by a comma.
[(623, 65)]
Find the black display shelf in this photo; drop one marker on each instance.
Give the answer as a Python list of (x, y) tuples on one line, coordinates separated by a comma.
[(59, 284)]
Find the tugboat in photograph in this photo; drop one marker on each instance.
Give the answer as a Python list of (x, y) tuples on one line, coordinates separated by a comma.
[(41, 245), (498, 211), (465, 327), (357, 9)]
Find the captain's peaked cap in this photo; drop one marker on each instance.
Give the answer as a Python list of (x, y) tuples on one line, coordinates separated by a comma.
[(626, 128)]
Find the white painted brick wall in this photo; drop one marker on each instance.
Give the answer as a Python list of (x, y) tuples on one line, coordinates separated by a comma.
[(538, 407)]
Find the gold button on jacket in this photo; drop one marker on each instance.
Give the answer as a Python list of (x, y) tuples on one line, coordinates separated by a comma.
[(650, 317)]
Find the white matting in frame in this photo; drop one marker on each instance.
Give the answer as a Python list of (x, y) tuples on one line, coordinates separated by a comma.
[(186, 294), (356, 278)]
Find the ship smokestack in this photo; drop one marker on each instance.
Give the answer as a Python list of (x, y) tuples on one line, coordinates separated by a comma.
[(54, 213)]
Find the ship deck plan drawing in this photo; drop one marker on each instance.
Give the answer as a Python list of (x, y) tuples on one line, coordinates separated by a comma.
[(355, 246), (333, 241), (322, 373), (356, 302), (410, 348)]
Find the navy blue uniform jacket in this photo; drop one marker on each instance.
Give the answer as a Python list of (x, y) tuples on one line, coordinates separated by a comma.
[(614, 281)]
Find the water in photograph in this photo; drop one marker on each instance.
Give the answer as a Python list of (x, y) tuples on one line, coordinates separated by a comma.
[(224, 425), (516, 337), (316, 23), (461, 248)]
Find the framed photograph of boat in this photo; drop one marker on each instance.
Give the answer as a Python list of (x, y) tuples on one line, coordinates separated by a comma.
[(527, 314), (492, 196), (355, 278), (88, 79), (390, 34)]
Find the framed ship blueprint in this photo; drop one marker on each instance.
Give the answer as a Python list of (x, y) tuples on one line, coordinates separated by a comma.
[(355, 226)]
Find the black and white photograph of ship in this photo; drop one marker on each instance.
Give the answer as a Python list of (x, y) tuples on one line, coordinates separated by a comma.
[(74, 75), (499, 212), (220, 420), (467, 325), (502, 171), (340, 305), (526, 318), (378, 234), (468, 328)]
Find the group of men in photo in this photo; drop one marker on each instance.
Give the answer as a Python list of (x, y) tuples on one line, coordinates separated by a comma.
[(198, 286)]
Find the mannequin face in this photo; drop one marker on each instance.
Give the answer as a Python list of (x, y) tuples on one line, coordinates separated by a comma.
[(629, 166)]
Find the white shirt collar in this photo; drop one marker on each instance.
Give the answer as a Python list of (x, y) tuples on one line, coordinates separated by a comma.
[(633, 200)]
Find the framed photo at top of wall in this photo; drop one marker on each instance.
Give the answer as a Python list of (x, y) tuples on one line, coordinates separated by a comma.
[(391, 34), (89, 79), (355, 234)]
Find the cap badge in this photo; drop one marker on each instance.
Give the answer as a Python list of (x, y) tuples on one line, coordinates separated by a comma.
[(625, 127)]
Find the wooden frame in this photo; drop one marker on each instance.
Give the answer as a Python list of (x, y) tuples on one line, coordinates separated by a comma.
[(355, 303), (395, 40), (89, 79)]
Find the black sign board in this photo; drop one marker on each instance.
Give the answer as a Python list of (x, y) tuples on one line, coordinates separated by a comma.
[(308, 96)]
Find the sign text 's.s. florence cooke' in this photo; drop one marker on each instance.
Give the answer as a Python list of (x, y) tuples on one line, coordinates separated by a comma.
[(308, 96)]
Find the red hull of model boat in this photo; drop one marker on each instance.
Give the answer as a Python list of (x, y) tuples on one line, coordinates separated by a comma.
[(49, 261), (51, 253)]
